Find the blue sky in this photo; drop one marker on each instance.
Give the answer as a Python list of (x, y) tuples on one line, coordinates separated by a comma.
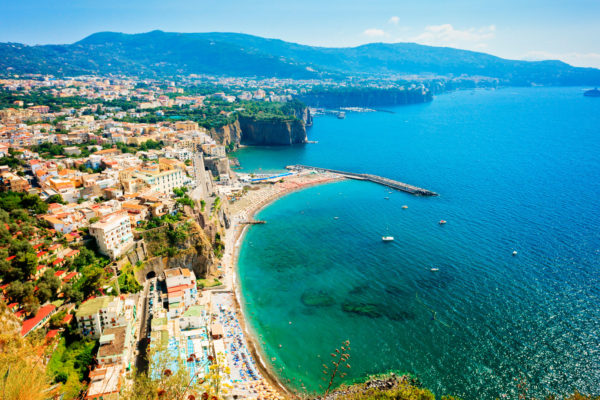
[(521, 29)]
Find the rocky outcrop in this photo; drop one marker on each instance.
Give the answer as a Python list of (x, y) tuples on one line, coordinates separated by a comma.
[(365, 97), (230, 133), (272, 131), (265, 131), (195, 252)]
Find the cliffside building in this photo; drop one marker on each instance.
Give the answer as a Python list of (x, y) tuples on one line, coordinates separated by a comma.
[(113, 234)]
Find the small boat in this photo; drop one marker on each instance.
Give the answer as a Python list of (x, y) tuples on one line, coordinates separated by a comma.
[(387, 198), (514, 253), (336, 217), (405, 207), (387, 238), (341, 115), (435, 269), (442, 222), (592, 93)]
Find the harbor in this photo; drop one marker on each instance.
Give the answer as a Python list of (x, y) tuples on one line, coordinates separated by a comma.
[(397, 185)]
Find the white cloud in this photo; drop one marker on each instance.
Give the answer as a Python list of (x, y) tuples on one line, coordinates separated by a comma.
[(576, 59), (374, 32), (394, 20), (447, 35)]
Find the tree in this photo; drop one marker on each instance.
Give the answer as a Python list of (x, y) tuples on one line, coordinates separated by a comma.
[(84, 258), (43, 293), (24, 264), (34, 203), (48, 286), (72, 294), (92, 275), (55, 198), (20, 246)]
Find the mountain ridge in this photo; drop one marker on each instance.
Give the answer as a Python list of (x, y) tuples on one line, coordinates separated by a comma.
[(157, 53)]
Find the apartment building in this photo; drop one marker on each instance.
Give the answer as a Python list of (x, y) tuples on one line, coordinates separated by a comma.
[(181, 290), (113, 234), (164, 180), (100, 313)]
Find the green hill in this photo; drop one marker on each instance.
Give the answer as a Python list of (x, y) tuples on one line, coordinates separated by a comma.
[(160, 53)]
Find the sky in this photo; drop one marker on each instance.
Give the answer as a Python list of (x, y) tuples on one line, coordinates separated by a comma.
[(567, 30)]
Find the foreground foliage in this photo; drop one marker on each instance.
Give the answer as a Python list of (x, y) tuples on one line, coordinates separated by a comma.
[(22, 372)]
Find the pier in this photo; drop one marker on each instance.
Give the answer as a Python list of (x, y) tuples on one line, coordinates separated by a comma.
[(253, 222), (404, 187)]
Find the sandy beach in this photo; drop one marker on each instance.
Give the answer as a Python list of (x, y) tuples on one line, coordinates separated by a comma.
[(242, 210)]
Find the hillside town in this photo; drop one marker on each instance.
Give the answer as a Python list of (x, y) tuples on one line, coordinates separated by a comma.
[(89, 197)]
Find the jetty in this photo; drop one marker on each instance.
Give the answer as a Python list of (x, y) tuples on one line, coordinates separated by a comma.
[(253, 222), (404, 187)]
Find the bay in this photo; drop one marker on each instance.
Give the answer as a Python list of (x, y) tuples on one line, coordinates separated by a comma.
[(517, 169)]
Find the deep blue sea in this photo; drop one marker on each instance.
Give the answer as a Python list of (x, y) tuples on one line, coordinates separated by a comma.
[(516, 170)]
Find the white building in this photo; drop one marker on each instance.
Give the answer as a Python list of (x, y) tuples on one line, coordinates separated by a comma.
[(113, 234), (181, 290), (99, 313), (163, 181)]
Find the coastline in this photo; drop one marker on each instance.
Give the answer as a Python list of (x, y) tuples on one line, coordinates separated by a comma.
[(234, 237)]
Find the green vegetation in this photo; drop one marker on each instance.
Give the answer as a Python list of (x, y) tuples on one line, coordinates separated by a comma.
[(70, 362), (218, 246), (182, 197), (18, 260), (218, 112), (120, 103), (11, 201), (127, 281), (55, 198), (40, 98), (94, 275), (144, 146), (51, 150), (166, 241), (267, 110), (206, 283), (11, 160), (155, 222)]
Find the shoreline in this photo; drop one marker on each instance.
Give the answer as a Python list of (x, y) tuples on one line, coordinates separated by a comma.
[(234, 237)]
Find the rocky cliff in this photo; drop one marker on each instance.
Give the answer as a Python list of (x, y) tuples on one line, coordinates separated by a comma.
[(195, 250), (272, 131), (230, 133), (364, 97)]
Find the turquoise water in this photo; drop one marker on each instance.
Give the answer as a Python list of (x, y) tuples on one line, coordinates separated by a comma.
[(517, 169)]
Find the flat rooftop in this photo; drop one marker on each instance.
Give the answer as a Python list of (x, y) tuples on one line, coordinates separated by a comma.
[(93, 306)]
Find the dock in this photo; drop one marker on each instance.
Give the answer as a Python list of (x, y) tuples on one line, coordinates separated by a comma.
[(404, 187)]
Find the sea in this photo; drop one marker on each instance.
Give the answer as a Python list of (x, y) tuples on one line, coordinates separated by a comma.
[(516, 169)]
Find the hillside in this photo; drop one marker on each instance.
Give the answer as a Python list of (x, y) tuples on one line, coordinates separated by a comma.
[(160, 53)]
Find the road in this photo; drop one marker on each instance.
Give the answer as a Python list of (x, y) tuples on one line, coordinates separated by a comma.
[(141, 362)]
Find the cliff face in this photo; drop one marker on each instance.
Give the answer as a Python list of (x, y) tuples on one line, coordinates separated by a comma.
[(304, 116), (272, 131), (231, 133), (195, 252), (365, 97)]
